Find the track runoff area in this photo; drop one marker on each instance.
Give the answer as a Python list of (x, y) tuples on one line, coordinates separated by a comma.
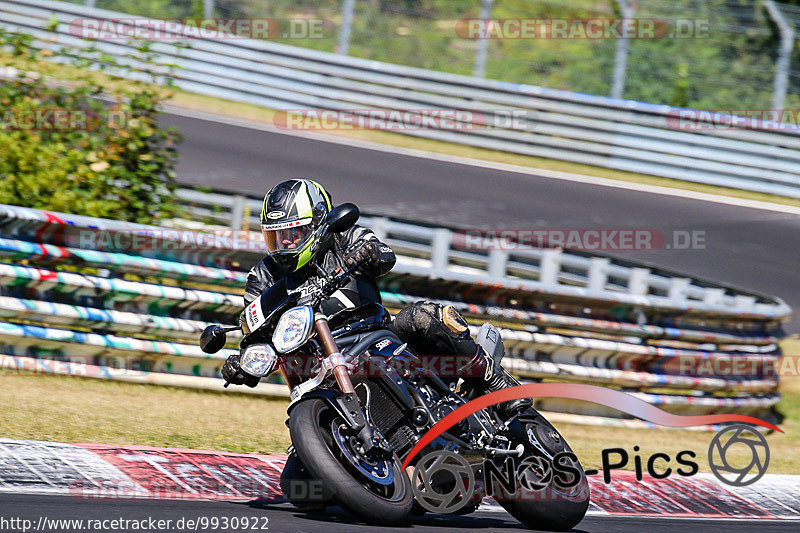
[(57, 487), (46, 486), (49, 486)]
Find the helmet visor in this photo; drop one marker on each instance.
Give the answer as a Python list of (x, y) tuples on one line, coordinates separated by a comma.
[(286, 239)]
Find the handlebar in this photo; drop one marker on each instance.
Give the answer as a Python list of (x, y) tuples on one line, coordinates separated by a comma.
[(333, 283)]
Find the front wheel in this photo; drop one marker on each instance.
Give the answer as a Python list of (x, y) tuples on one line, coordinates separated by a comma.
[(551, 505), (377, 490)]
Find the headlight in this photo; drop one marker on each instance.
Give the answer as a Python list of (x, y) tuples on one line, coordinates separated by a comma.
[(258, 360), (293, 329)]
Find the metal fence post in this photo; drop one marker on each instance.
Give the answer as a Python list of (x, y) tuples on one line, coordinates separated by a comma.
[(638, 281), (677, 288), (208, 9), (498, 259), (744, 301), (621, 55), (440, 249), (550, 266), (598, 273), (380, 227), (483, 44), (714, 296), (347, 26), (246, 213), (783, 63), (237, 211)]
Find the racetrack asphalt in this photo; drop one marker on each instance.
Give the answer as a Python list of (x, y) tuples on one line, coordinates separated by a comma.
[(752, 248), (283, 518)]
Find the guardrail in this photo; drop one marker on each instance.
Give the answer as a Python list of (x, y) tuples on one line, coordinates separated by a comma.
[(565, 272), (620, 134), (83, 296)]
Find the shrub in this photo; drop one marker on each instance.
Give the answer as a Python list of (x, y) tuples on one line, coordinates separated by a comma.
[(116, 162)]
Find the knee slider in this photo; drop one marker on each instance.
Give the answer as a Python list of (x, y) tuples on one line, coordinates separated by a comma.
[(454, 321)]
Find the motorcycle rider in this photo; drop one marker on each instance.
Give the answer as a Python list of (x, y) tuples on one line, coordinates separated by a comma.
[(290, 213)]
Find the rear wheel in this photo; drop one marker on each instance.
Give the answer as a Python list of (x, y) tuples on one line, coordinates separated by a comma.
[(374, 489), (555, 507)]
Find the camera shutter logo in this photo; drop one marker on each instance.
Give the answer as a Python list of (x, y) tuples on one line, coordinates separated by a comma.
[(443, 482), (738, 434)]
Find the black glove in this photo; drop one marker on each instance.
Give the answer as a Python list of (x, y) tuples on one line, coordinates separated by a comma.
[(363, 250), (232, 372)]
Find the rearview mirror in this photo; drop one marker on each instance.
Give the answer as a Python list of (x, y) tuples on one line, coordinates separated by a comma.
[(342, 218), (212, 339)]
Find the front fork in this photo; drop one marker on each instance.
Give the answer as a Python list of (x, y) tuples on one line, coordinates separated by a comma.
[(334, 358), (338, 365)]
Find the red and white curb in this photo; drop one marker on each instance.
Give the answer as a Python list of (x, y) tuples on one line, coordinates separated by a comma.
[(94, 471), (100, 471)]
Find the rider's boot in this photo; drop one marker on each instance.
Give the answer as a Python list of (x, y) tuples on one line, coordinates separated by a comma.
[(488, 355), (485, 371), (433, 328)]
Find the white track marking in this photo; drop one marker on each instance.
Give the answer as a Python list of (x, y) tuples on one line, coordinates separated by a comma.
[(781, 490), (57, 465), (553, 174), (30, 456)]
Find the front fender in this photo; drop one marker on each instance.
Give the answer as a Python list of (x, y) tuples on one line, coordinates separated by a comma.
[(346, 405)]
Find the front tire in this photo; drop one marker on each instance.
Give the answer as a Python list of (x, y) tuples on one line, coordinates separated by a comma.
[(320, 454)]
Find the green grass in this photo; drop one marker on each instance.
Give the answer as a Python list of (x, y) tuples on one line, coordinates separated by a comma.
[(589, 441), (70, 409)]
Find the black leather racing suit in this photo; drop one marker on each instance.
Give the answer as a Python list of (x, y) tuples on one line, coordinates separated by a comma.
[(421, 324)]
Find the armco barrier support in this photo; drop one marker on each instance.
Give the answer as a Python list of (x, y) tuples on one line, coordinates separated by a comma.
[(620, 134), (134, 314)]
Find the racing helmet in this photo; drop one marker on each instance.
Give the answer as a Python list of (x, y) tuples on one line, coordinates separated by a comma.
[(290, 214)]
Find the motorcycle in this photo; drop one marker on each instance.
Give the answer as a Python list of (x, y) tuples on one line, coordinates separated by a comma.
[(351, 430)]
